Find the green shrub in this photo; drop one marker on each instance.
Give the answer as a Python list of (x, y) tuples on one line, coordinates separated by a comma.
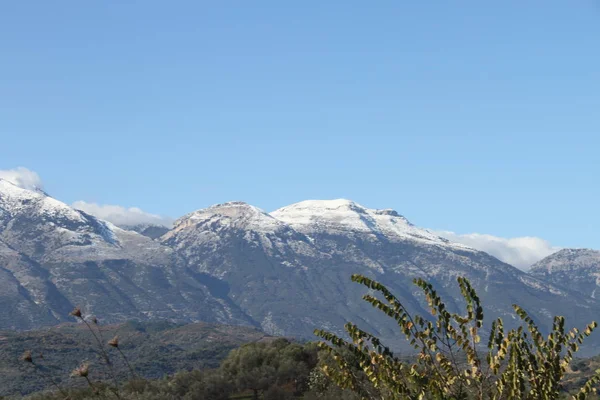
[(451, 363)]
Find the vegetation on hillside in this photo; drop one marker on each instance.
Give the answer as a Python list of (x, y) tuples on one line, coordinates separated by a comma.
[(450, 362), (272, 370), (154, 349)]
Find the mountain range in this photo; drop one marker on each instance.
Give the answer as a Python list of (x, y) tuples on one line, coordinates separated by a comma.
[(286, 272)]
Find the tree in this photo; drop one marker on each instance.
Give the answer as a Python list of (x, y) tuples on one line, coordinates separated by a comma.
[(451, 362), (261, 366)]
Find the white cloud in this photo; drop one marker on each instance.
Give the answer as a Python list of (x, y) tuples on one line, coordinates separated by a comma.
[(520, 252), (118, 215), (122, 216), (22, 177)]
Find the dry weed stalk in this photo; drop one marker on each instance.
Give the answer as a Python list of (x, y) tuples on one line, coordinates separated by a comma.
[(83, 370)]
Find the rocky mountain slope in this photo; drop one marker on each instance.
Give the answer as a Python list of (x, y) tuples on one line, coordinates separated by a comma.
[(53, 257), (153, 231), (287, 272), (575, 269)]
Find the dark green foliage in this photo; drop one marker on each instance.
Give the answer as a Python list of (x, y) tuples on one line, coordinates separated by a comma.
[(260, 367), (269, 369)]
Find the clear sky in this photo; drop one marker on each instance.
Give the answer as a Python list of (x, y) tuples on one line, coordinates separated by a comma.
[(470, 116)]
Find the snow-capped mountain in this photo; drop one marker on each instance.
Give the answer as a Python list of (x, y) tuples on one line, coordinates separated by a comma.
[(347, 217), (287, 271), (56, 224), (53, 257), (290, 269), (575, 269)]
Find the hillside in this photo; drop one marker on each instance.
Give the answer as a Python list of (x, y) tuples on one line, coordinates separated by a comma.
[(53, 258), (287, 272), (154, 350)]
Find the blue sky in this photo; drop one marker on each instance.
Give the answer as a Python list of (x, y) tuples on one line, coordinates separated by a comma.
[(467, 116)]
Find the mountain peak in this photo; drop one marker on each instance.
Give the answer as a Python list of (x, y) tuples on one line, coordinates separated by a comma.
[(15, 199), (568, 260), (241, 204), (574, 269), (346, 213), (333, 207), (322, 206), (341, 216), (51, 227), (235, 214), (9, 187), (235, 209), (575, 252)]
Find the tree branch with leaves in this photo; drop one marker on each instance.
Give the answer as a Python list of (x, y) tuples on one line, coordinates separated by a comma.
[(449, 364)]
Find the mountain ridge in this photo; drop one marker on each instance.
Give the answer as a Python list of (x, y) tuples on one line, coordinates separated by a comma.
[(319, 246), (287, 271), (56, 258), (575, 269)]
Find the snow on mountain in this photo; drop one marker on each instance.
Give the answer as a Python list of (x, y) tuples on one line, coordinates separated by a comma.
[(575, 269), (290, 270), (287, 271), (344, 215), (569, 260), (36, 224), (235, 214), (211, 228), (53, 257), (14, 200)]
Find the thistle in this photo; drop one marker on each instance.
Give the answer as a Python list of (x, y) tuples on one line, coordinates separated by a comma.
[(83, 370), (114, 342), (76, 312), (28, 358)]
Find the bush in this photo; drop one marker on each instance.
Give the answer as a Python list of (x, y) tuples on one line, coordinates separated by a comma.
[(519, 364)]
